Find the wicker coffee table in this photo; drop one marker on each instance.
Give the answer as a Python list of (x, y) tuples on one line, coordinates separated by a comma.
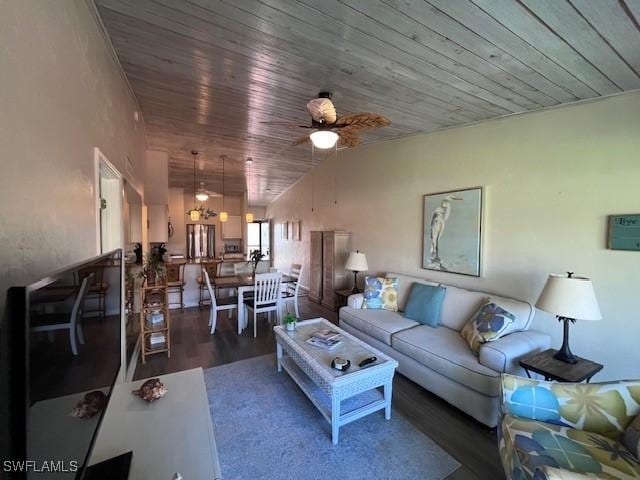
[(310, 368)]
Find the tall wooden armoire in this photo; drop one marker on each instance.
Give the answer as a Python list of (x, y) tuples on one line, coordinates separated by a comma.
[(329, 253)]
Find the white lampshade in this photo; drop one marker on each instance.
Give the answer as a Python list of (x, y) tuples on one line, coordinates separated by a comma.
[(324, 138), (357, 262), (224, 216), (570, 297)]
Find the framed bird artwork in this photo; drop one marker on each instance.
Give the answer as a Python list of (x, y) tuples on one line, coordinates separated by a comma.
[(452, 231)]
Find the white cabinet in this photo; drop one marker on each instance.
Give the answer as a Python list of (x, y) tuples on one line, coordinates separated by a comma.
[(232, 228), (158, 227)]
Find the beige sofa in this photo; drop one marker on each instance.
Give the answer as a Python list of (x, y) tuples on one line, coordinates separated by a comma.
[(439, 359)]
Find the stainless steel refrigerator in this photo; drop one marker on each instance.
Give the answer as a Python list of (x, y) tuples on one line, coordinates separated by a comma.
[(201, 241)]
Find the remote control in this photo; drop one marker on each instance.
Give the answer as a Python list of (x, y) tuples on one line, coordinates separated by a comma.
[(367, 361)]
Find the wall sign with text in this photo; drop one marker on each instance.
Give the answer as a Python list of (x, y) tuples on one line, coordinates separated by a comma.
[(624, 232)]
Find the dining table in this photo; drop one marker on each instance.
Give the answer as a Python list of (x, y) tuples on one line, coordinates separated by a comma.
[(244, 284)]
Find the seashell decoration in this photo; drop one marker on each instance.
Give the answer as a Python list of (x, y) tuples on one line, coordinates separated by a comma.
[(92, 404), (151, 390)]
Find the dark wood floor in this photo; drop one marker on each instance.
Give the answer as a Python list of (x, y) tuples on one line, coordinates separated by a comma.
[(468, 441)]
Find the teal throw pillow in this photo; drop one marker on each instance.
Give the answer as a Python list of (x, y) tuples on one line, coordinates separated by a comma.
[(424, 304)]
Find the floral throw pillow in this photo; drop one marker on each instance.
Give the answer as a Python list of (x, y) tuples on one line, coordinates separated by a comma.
[(380, 293), (631, 437), (489, 323)]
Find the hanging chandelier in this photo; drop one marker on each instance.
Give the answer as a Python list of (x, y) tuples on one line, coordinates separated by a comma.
[(199, 212)]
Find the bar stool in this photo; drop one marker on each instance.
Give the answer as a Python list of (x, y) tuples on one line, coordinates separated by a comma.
[(175, 282)]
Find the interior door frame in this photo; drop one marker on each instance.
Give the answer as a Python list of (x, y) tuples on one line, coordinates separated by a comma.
[(100, 160)]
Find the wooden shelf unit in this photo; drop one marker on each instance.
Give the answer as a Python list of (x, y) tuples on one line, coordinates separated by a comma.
[(154, 298)]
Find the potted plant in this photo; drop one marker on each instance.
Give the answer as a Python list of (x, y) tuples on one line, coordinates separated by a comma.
[(153, 269), (290, 322), (255, 256)]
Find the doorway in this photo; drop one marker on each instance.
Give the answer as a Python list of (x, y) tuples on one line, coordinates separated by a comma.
[(109, 219)]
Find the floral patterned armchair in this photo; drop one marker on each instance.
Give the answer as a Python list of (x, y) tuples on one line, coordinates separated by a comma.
[(555, 430)]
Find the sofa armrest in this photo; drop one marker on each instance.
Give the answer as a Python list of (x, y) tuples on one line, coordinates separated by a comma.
[(504, 354), (355, 300)]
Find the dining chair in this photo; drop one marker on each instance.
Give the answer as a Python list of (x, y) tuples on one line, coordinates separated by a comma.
[(266, 297), (241, 268), (175, 282), (291, 290), (225, 269), (212, 269), (61, 321), (217, 305), (96, 291)]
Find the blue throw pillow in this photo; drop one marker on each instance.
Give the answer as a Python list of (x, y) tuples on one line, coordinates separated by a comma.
[(424, 304)]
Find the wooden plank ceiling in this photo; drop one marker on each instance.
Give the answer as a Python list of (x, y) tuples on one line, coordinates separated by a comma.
[(207, 73)]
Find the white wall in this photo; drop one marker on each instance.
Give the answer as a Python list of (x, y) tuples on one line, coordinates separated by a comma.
[(551, 178), (61, 95), (156, 178)]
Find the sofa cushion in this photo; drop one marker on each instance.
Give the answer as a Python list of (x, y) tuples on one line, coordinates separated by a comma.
[(528, 445), (459, 304), (404, 287), (504, 354), (424, 304), (446, 352), (380, 324), (380, 293), (489, 323)]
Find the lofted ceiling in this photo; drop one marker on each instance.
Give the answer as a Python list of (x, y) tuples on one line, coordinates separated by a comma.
[(207, 73)]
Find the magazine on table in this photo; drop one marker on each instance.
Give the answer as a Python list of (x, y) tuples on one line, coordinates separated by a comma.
[(325, 339)]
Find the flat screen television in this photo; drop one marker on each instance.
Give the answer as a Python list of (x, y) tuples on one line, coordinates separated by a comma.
[(61, 339)]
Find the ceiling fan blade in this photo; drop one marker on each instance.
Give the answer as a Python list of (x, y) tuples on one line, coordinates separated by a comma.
[(301, 140), (362, 121), (348, 138), (286, 124)]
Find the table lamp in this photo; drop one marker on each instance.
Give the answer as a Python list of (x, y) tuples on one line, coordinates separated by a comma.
[(569, 298), (357, 262)]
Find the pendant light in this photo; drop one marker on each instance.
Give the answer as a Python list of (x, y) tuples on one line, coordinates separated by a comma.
[(194, 213), (248, 216), (224, 215), (198, 212)]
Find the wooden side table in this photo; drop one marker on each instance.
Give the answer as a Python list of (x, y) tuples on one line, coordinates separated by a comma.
[(552, 369), (343, 295)]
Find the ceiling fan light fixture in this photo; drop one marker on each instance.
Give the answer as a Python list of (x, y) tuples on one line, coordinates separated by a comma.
[(324, 138), (202, 196)]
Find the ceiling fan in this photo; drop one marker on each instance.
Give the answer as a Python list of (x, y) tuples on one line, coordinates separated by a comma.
[(203, 194), (329, 128)]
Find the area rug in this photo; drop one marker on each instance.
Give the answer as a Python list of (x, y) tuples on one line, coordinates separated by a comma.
[(266, 428)]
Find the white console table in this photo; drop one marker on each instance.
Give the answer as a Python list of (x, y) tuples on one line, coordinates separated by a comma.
[(173, 434)]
